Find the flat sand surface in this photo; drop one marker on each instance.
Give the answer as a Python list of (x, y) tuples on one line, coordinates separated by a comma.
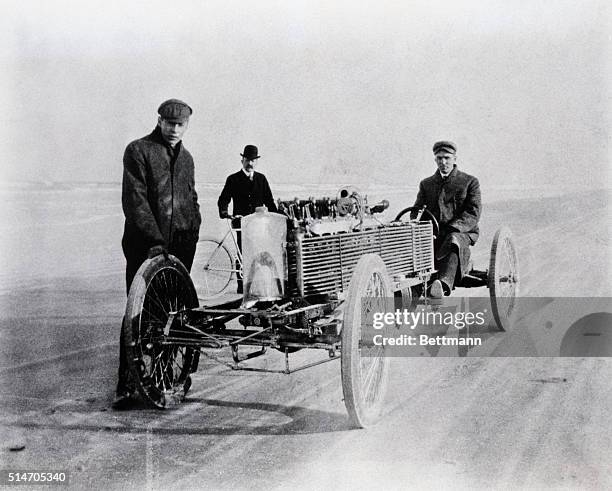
[(471, 422)]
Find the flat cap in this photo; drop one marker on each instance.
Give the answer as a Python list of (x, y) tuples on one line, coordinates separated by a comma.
[(444, 146), (174, 110)]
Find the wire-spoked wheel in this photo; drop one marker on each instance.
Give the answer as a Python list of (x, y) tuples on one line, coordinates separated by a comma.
[(503, 278), (159, 367), (364, 365), (214, 267)]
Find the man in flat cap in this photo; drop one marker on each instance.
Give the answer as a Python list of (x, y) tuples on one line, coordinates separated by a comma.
[(453, 197), (162, 214), (247, 190)]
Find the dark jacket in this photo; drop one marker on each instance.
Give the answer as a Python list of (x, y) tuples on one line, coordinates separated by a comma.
[(246, 194), (455, 202), (158, 197)]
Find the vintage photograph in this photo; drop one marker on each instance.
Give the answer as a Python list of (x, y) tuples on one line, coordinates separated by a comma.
[(306, 244)]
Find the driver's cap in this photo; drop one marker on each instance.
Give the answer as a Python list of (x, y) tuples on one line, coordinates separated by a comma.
[(444, 146)]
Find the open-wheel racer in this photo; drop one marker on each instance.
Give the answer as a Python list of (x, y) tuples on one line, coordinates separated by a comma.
[(312, 274)]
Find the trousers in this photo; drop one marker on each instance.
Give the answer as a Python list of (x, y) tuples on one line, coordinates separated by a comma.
[(447, 269)]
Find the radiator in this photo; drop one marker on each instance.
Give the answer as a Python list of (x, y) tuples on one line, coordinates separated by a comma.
[(323, 265)]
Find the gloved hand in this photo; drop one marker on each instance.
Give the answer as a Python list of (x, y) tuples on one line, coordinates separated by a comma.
[(156, 251), (224, 214)]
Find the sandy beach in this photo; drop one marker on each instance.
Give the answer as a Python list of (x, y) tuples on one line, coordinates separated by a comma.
[(476, 422)]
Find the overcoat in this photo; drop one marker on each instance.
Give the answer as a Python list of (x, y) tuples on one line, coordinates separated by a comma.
[(246, 194), (159, 199), (455, 202)]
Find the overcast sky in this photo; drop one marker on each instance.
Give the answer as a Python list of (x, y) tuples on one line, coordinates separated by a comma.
[(523, 87)]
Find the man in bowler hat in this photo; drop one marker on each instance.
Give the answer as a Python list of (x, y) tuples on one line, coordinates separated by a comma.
[(247, 190), (159, 200), (453, 197)]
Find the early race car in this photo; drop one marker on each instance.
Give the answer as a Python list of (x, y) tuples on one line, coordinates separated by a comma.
[(311, 273)]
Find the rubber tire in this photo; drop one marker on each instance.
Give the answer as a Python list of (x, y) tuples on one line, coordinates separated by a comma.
[(363, 411), (503, 300), (183, 295), (207, 283)]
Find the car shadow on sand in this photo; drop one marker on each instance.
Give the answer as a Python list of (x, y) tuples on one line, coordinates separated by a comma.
[(196, 416)]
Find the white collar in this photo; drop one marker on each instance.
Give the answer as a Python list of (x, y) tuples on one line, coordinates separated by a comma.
[(248, 174)]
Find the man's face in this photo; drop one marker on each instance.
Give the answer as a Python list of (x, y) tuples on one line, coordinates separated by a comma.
[(445, 161), (248, 165), (172, 131)]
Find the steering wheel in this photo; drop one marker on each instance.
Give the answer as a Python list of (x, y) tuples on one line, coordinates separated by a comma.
[(411, 212)]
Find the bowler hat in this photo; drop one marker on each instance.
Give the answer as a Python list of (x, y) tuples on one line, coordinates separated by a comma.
[(175, 110), (444, 146), (250, 152)]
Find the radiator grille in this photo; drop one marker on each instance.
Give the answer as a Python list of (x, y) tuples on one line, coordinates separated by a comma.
[(326, 264)]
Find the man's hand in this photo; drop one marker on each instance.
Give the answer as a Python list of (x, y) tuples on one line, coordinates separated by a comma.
[(225, 214), (156, 251)]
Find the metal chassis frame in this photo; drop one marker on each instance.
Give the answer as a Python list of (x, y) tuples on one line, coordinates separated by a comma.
[(232, 338), (276, 333)]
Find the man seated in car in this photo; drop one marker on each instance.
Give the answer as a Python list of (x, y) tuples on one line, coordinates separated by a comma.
[(453, 197)]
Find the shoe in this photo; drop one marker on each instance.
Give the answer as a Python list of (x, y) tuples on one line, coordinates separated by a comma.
[(124, 400), (436, 290)]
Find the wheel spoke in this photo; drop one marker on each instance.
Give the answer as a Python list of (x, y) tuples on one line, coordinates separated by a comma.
[(213, 267), (156, 297), (168, 289), (370, 375)]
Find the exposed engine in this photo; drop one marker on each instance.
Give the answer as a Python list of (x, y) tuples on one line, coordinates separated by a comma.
[(347, 212)]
